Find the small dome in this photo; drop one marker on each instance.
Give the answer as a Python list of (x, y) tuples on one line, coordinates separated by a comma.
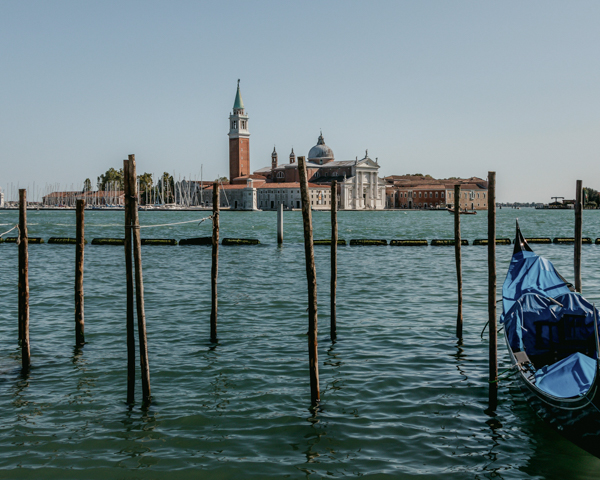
[(320, 153)]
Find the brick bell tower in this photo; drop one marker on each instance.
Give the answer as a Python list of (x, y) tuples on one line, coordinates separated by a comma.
[(239, 139)]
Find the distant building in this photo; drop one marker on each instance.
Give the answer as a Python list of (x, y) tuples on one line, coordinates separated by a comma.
[(1, 199), (97, 198), (268, 196), (425, 192), (359, 187)]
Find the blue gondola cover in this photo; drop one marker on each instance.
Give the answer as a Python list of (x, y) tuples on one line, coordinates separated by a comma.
[(569, 377)]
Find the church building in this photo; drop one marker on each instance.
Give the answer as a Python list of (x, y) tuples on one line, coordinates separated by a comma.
[(359, 187)]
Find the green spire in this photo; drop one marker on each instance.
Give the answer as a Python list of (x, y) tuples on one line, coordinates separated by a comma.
[(239, 104)]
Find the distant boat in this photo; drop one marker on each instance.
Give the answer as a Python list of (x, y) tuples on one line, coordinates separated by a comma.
[(551, 333), (463, 212)]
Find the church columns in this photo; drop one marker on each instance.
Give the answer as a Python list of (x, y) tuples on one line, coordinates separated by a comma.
[(355, 202)]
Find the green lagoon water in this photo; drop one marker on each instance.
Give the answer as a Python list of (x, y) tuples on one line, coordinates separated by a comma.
[(400, 397)]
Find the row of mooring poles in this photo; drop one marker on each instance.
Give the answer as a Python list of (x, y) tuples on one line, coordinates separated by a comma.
[(492, 314), (23, 280), (132, 238)]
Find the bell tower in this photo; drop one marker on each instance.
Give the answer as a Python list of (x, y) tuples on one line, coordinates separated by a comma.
[(274, 159), (239, 139)]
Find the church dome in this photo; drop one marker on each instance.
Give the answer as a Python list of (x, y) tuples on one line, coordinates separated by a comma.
[(320, 153)]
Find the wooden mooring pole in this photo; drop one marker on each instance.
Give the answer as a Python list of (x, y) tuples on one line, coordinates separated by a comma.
[(214, 271), (458, 255), (280, 224), (79, 249), (23, 282), (578, 233), (311, 276), (139, 283), (493, 357), (334, 240), (130, 289)]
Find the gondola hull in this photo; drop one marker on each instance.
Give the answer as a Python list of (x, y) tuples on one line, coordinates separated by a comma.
[(576, 417)]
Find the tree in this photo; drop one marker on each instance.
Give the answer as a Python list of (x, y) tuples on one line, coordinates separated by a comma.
[(145, 182), (111, 179), (222, 180), (87, 185), (590, 196), (166, 187)]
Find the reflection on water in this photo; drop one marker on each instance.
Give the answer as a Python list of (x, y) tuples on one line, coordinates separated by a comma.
[(401, 398)]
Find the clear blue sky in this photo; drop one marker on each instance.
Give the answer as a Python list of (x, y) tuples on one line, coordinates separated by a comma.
[(448, 88)]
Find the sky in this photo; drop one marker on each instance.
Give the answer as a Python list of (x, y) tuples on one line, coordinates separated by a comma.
[(446, 88)]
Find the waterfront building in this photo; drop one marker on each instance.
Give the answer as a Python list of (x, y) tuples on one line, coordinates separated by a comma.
[(426, 192), (271, 195), (473, 194), (268, 196), (1, 199)]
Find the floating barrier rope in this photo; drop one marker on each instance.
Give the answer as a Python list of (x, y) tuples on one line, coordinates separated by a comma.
[(8, 231), (141, 226)]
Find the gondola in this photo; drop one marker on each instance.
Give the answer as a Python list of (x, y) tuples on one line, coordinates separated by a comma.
[(462, 212), (552, 337)]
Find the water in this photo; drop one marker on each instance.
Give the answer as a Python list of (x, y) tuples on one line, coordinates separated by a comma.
[(400, 397)]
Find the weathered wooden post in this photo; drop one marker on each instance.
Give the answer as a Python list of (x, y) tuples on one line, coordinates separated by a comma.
[(214, 271), (24, 282), (130, 289), (334, 240), (578, 233), (139, 283), (457, 254), (280, 224), (311, 276), (79, 249), (493, 357)]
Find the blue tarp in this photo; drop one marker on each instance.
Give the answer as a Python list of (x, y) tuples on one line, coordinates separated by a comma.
[(530, 273), (522, 322), (540, 311), (569, 377)]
